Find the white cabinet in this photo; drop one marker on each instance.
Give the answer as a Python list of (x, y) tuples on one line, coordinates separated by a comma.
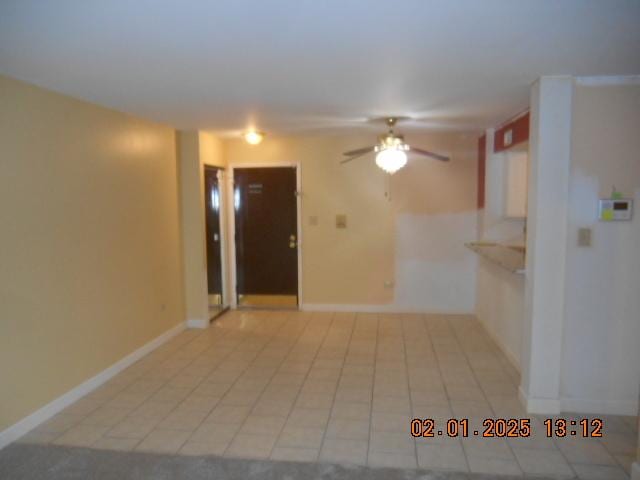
[(515, 183)]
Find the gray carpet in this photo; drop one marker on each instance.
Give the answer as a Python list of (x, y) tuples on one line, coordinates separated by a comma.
[(36, 462)]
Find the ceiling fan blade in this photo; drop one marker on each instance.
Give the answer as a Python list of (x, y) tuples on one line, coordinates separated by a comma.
[(359, 151), (427, 153), (347, 160)]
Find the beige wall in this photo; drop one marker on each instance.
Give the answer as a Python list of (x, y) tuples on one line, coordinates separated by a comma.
[(196, 149), (90, 268), (420, 216)]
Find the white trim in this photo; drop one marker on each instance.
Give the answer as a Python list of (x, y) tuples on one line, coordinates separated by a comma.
[(43, 414), (232, 223), (605, 407), (372, 308), (222, 213), (608, 80), (635, 470), (552, 406), (543, 406), (197, 323)]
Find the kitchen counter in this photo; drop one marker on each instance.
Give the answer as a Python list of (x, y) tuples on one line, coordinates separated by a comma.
[(509, 257)]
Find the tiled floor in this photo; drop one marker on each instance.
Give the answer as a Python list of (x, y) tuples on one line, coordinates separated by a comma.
[(338, 388)]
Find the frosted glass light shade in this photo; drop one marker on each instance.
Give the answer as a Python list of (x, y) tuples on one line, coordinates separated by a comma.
[(391, 159)]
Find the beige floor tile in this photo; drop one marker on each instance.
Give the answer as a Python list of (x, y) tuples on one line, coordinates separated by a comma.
[(301, 437), (348, 429), (339, 450), (215, 433), (289, 454), (263, 425), (543, 462), (585, 450), (81, 436), (60, 423), (386, 442), (487, 448), (195, 448), (38, 438), (315, 400), (106, 416), (83, 407), (171, 394), (620, 443), (153, 410), (251, 446), (442, 457), (350, 394), (212, 389), (187, 420), (493, 466), (199, 403), (118, 444), (391, 460), (390, 422), (399, 405), (163, 441), (228, 414), (127, 400), (268, 384), (600, 472), (133, 428), (351, 411), (308, 417)]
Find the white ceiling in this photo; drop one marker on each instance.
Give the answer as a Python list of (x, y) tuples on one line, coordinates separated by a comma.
[(314, 65)]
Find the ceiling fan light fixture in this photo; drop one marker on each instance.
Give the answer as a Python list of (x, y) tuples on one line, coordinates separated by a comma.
[(391, 159)]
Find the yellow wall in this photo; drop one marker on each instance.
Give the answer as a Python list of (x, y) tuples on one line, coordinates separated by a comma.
[(90, 265), (351, 266)]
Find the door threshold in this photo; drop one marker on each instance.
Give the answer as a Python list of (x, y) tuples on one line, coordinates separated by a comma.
[(268, 307), (219, 313)]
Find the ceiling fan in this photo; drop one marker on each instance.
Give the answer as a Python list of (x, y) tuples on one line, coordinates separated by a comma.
[(391, 150)]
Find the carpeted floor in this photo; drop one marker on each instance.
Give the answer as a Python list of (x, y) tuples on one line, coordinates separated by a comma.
[(40, 462)]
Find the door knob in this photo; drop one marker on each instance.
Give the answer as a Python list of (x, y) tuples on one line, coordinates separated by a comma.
[(215, 237), (292, 238)]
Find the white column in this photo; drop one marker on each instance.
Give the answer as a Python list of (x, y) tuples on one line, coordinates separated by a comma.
[(193, 230), (548, 196)]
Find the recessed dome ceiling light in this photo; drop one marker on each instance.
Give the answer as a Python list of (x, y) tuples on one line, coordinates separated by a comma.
[(253, 137)]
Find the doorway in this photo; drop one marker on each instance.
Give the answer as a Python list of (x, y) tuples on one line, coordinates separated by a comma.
[(266, 236), (212, 202)]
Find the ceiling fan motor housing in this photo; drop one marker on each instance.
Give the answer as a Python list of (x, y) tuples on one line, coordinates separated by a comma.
[(391, 141)]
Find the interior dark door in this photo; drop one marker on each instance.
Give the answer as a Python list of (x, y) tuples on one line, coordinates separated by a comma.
[(266, 231), (212, 221)]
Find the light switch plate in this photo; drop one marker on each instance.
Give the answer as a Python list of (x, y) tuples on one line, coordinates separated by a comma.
[(584, 237), (341, 221)]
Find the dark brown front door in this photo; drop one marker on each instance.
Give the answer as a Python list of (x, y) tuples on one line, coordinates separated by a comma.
[(212, 221), (266, 231)]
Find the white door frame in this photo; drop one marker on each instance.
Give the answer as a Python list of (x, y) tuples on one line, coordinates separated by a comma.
[(232, 222), (224, 237)]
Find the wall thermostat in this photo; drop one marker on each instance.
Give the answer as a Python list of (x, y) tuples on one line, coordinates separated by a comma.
[(612, 209)]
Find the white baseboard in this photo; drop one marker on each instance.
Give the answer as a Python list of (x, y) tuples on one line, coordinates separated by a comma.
[(604, 407), (635, 470), (52, 408), (551, 406), (197, 323), (543, 406), (372, 308)]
